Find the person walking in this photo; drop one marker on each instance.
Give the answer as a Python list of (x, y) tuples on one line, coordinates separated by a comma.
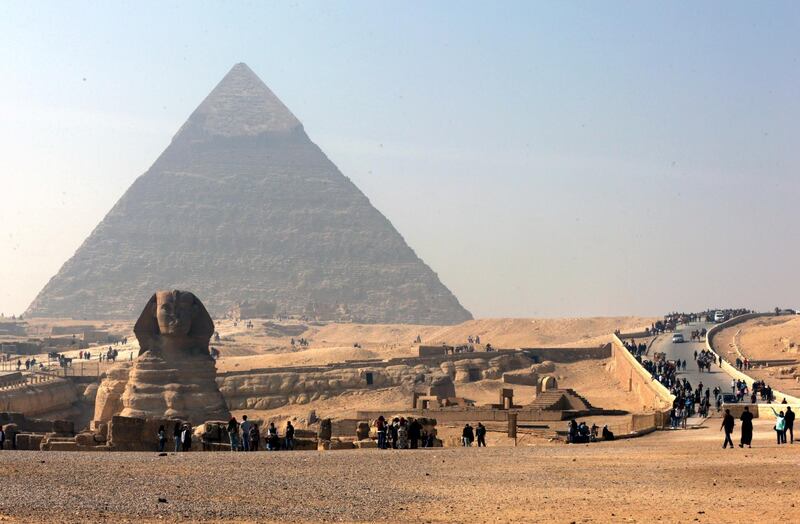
[(480, 433), (727, 425), (789, 419), (162, 438), (780, 426), (467, 436), (747, 428), (176, 434), (233, 434)]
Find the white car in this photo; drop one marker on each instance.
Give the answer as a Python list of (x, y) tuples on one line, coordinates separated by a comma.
[(719, 316), (677, 338)]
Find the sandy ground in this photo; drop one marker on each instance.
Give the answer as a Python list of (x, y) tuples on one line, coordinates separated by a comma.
[(766, 339), (674, 476)]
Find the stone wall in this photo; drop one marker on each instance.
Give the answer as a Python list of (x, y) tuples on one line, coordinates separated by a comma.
[(39, 398), (274, 388), (651, 394), (567, 355)]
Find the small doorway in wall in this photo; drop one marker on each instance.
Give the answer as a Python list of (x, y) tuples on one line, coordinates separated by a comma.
[(369, 378)]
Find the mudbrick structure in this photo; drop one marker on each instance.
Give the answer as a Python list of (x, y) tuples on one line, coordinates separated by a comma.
[(242, 207)]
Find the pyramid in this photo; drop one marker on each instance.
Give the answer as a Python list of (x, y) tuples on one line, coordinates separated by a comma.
[(242, 207)]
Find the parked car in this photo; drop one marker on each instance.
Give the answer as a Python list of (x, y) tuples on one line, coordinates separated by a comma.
[(729, 398), (719, 316), (677, 338)]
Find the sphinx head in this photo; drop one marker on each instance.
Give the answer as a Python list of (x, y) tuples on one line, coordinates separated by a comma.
[(173, 315), (175, 311)]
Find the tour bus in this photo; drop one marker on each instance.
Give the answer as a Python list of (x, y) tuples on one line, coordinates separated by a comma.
[(719, 316)]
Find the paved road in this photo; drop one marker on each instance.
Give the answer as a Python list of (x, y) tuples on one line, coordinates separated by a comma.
[(685, 351)]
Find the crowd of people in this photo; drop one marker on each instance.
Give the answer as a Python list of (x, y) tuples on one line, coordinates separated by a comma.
[(581, 433), (401, 433), (246, 436)]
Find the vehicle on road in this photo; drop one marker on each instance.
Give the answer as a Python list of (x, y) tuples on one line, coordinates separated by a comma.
[(729, 398), (677, 338), (719, 316)]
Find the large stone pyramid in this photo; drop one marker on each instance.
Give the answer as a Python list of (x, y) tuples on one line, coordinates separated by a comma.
[(243, 207)]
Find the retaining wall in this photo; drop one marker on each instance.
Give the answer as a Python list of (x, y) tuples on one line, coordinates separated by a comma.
[(652, 395), (35, 399)]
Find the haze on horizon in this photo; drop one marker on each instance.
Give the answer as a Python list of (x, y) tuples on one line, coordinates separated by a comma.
[(545, 159)]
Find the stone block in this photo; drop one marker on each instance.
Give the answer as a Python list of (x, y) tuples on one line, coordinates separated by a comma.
[(365, 444), (29, 441)]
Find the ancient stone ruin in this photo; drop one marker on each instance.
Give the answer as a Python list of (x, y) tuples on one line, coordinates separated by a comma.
[(174, 376), (240, 207)]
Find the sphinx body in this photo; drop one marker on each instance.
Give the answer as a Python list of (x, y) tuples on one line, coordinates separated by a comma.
[(174, 375)]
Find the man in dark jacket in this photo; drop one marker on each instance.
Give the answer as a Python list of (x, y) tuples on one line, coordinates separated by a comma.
[(727, 424), (480, 433), (789, 419), (414, 431), (467, 436)]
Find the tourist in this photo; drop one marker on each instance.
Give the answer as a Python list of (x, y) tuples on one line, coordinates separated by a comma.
[(572, 432), (380, 424), (162, 438), (607, 434), (789, 419), (2, 438), (414, 431), (288, 436), (186, 437), (467, 436), (245, 427), (233, 433), (176, 434), (747, 428), (480, 433), (393, 432), (272, 437), (402, 434), (780, 426), (727, 425), (253, 436)]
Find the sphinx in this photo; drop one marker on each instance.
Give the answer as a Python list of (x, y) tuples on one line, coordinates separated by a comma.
[(174, 375)]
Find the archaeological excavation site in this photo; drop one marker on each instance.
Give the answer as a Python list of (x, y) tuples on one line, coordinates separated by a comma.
[(244, 275)]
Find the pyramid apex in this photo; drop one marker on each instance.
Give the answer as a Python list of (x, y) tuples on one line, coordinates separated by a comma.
[(240, 105)]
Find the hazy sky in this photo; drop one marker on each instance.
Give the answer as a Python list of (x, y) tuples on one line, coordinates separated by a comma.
[(545, 159)]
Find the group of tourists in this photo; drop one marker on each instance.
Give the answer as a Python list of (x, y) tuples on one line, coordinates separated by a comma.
[(470, 434), (784, 423), (704, 359), (743, 364), (402, 433), (182, 434), (580, 433), (302, 342), (246, 436)]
